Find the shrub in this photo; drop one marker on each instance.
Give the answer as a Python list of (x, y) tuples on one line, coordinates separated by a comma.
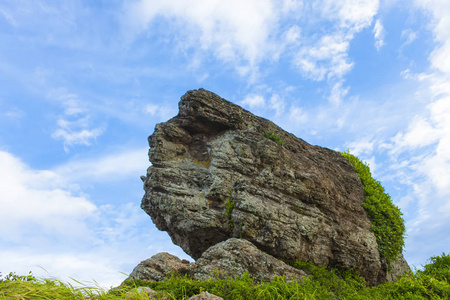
[(386, 218), (439, 267)]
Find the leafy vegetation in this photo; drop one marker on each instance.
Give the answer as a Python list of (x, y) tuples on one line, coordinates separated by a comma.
[(386, 218), (229, 210), (322, 283), (274, 137)]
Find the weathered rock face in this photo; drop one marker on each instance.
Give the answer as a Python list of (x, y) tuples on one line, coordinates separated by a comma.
[(220, 172), (398, 267)]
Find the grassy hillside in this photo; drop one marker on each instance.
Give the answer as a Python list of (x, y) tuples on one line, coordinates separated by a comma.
[(433, 282)]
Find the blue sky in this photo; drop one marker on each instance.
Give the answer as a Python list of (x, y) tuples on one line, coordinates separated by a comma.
[(83, 84)]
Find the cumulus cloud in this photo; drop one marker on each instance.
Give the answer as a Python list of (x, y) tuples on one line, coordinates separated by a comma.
[(38, 201), (62, 230)]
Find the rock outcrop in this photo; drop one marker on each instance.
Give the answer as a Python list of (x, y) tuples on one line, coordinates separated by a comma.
[(220, 172)]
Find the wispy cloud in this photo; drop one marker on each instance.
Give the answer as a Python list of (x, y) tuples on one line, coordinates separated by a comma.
[(111, 167), (440, 11), (8, 17), (216, 27), (253, 101), (74, 127), (378, 32)]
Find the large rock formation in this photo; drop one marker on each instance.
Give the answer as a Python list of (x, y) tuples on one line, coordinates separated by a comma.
[(220, 172)]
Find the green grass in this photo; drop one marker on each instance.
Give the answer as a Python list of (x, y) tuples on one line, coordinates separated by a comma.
[(387, 222), (322, 283), (29, 287)]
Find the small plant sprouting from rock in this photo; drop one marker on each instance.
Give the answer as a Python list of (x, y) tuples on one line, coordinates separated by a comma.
[(274, 137), (229, 209)]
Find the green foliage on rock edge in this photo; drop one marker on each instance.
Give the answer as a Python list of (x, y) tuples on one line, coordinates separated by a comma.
[(387, 222)]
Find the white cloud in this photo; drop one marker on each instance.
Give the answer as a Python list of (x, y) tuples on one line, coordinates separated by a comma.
[(338, 92), (253, 101), (292, 35), (423, 148), (74, 127), (214, 25), (350, 14), (58, 228), (76, 133), (112, 167), (38, 201), (409, 36), (297, 115), (378, 31), (440, 26), (326, 58), (278, 104), (420, 133), (363, 146)]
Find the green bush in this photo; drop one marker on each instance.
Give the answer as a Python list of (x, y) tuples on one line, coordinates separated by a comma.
[(439, 267), (386, 218)]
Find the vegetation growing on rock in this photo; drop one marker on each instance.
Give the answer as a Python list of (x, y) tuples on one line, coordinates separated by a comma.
[(387, 222), (229, 210), (274, 137)]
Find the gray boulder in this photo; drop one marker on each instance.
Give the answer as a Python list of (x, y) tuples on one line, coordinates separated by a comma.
[(234, 257), (220, 172), (160, 266)]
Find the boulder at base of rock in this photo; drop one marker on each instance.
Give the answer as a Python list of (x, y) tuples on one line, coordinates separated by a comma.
[(231, 258), (234, 257), (160, 266)]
